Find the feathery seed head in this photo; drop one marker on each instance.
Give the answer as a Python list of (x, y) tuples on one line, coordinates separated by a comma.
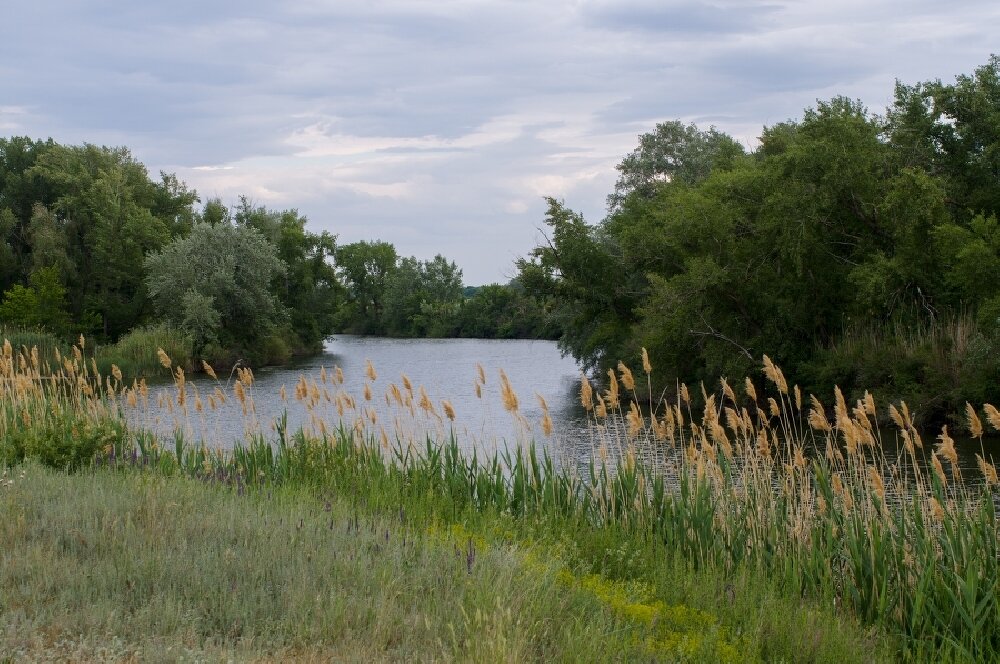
[(646, 366), (993, 415), (627, 379), (975, 425)]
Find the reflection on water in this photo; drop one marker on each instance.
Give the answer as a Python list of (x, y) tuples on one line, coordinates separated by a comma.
[(445, 369)]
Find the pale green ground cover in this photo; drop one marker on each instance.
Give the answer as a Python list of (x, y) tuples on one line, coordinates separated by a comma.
[(105, 566)]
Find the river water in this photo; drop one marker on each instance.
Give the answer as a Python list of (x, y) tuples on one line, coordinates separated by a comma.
[(444, 369)]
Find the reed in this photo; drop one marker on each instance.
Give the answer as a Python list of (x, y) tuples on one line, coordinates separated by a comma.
[(766, 484)]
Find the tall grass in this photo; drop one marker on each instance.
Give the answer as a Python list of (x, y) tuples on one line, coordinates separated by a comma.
[(764, 483), (106, 567), (134, 354)]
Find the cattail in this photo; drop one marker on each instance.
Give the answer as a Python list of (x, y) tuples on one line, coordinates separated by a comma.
[(646, 366), (798, 398), (750, 389), (449, 411), (993, 415), (207, 368), (975, 425), (479, 390), (370, 371), (627, 379), (164, 358)]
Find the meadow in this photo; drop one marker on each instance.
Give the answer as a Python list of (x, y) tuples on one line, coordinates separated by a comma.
[(713, 526)]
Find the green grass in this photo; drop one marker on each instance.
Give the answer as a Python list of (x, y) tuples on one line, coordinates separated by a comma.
[(737, 544), (135, 353), (103, 565)]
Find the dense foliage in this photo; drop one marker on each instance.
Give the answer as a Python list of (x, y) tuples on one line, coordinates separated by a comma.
[(90, 244), (407, 297), (858, 249)]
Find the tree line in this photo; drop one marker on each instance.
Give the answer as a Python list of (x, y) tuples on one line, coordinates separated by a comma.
[(90, 243), (855, 249)]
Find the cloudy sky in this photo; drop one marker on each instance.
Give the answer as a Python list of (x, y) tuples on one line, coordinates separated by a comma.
[(440, 125)]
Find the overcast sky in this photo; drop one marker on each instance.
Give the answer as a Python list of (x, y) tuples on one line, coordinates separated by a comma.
[(440, 126)]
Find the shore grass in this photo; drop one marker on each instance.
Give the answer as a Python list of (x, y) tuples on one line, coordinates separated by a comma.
[(129, 566), (750, 528)]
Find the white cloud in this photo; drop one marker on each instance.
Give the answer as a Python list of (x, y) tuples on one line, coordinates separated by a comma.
[(438, 125)]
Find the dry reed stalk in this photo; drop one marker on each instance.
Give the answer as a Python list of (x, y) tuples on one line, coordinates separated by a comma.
[(507, 394), (975, 425), (628, 380), (586, 393), (993, 415)]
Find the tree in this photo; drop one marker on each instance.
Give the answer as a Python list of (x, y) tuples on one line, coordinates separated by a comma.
[(40, 304), (215, 284), (365, 269), (672, 152)]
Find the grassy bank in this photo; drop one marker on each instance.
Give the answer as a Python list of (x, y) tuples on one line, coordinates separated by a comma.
[(748, 527), (111, 566)]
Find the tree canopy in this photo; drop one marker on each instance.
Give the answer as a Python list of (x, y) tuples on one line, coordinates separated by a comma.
[(853, 248)]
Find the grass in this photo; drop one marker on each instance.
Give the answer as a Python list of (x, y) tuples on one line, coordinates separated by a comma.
[(92, 571), (745, 525), (132, 353)]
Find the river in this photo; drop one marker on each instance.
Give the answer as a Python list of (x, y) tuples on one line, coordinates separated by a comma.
[(444, 369)]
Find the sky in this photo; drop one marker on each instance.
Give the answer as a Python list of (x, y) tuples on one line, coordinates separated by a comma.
[(442, 126)]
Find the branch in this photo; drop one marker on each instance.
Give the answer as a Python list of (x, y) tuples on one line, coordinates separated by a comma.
[(715, 334)]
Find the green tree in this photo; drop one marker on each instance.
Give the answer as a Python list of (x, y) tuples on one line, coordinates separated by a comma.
[(365, 269), (40, 304), (215, 284)]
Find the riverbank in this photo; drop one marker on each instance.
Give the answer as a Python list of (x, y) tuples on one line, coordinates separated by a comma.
[(116, 565), (703, 531)]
